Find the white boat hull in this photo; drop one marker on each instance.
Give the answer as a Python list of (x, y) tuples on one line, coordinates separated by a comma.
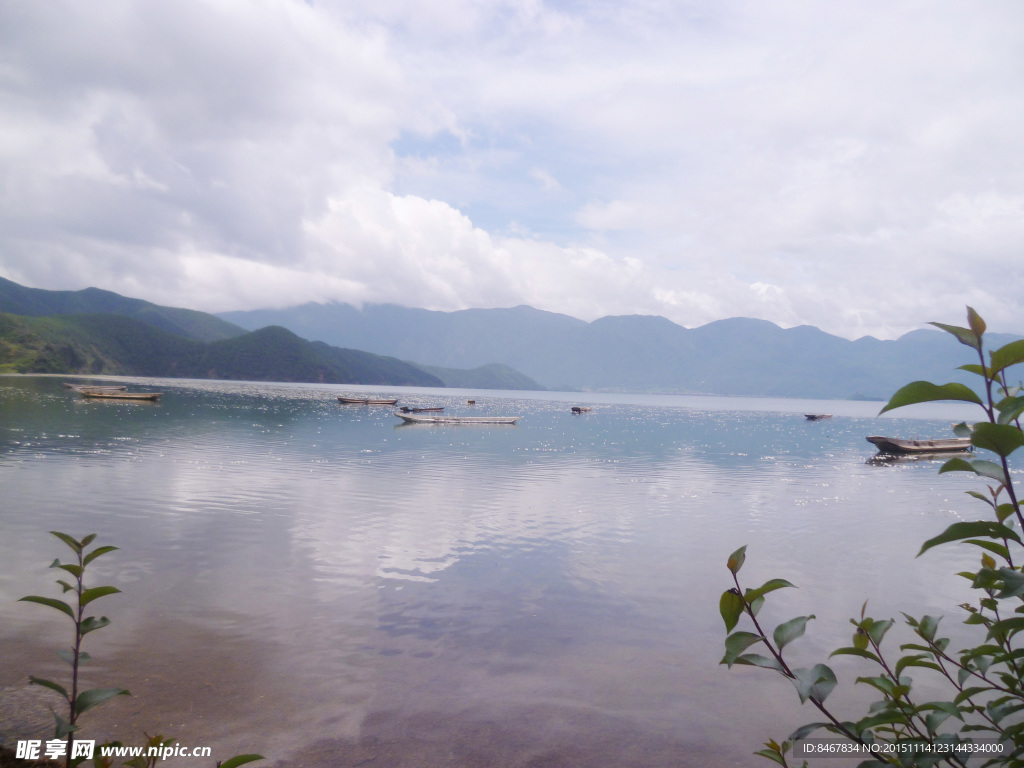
[(416, 418)]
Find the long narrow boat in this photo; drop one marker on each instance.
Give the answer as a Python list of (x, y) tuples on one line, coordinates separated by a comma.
[(434, 409), (93, 394), (899, 447), (366, 401), (414, 418)]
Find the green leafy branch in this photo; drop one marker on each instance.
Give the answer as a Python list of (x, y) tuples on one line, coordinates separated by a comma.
[(986, 681), (78, 702)]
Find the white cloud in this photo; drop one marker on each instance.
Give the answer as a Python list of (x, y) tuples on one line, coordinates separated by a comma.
[(675, 159)]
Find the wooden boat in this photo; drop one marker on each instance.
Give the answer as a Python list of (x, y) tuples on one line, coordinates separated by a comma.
[(93, 394), (899, 447), (366, 401), (414, 418), (407, 409), (577, 409), (817, 416)]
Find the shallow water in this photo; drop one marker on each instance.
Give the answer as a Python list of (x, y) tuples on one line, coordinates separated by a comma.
[(318, 583)]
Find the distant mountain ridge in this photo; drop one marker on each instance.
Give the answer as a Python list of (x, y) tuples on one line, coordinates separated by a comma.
[(37, 302), (736, 356), (94, 331), (112, 344), (99, 332)]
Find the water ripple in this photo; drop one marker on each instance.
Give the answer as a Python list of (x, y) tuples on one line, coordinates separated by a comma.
[(507, 564)]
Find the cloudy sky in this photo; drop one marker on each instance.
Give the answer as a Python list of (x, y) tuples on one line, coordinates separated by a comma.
[(855, 166)]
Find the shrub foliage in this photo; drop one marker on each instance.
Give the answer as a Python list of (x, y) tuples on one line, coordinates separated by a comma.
[(980, 719)]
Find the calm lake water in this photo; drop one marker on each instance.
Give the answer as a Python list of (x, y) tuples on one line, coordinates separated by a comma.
[(320, 584)]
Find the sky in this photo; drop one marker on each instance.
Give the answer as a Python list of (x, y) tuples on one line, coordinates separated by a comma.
[(854, 166)]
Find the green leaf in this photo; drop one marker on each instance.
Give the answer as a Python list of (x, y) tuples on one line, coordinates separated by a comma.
[(60, 605), (1006, 628), (89, 595), (934, 720), (878, 629), (1001, 711), (928, 627), (737, 643), (962, 429), (756, 604), (88, 699), (757, 660), (772, 755), (96, 553), (992, 546), (74, 544), (789, 631), (62, 727), (915, 647), (981, 497), (943, 706), (854, 651), (979, 370), (888, 717), (87, 540), (74, 570), (861, 639), (815, 683), (975, 322), (769, 586), (980, 467), (964, 674), (925, 391), (982, 650), (736, 559), (49, 684), (1007, 355), (959, 531), (916, 660), (91, 624), (731, 607), (1010, 408), (1001, 439), (237, 760), (956, 464), (966, 693), (805, 730), (1013, 583), (965, 336), (985, 579)]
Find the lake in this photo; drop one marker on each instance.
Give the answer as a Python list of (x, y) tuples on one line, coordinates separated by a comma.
[(323, 585)]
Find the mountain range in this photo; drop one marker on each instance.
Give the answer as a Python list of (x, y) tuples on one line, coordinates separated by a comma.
[(99, 332), (738, 356)]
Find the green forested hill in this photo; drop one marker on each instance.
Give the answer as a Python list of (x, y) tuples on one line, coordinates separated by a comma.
[(35, 302), (120, 345), (100, 332)]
